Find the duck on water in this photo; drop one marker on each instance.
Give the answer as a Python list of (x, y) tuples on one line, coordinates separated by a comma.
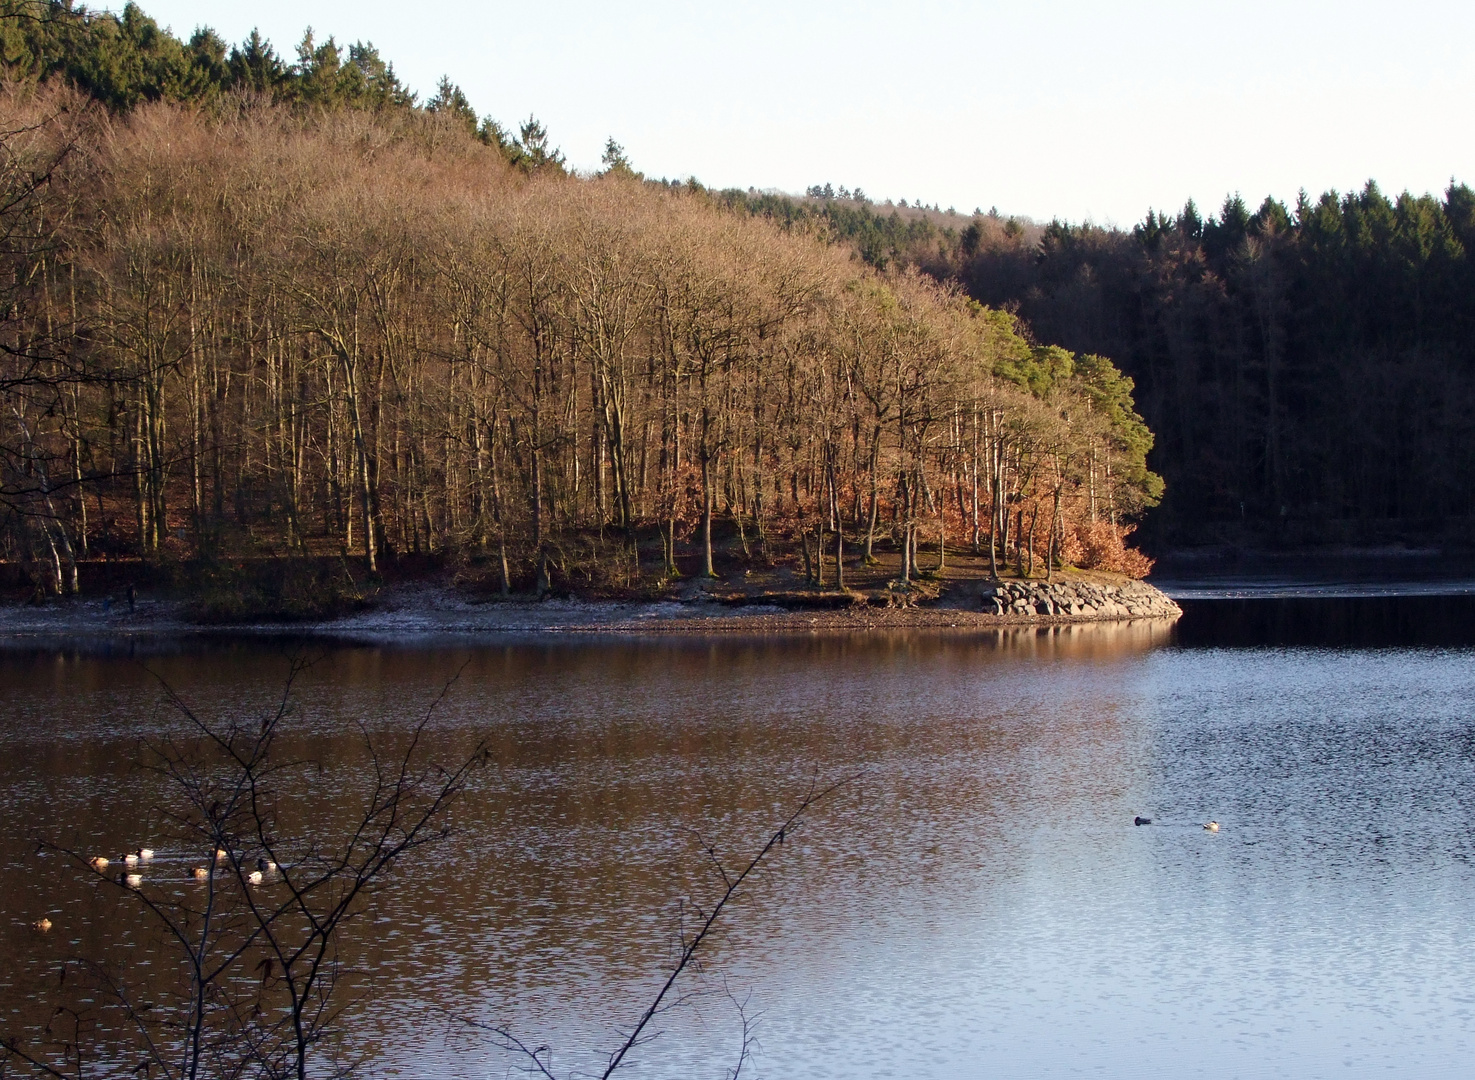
[(1211, 826)]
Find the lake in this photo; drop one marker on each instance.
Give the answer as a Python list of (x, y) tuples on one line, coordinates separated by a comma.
[(976, 901)]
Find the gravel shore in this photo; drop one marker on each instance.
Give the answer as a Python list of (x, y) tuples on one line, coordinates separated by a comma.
[(428, 609)]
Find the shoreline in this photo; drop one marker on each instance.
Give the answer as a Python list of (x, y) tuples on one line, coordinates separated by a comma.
[(422, 609)]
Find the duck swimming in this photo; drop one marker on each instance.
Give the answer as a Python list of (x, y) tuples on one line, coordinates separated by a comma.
[(1142, 821), (131, 859), (145, 853), (1212, 826), (201, 873), (266, 866), (133, 881), (254, 877), (97, 862), (42, 924)]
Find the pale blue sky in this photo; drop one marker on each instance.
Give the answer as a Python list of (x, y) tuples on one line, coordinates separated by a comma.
[(1056, 108)]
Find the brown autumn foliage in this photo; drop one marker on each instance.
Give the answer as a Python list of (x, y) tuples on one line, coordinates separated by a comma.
[(1101, 546), (253, 331)]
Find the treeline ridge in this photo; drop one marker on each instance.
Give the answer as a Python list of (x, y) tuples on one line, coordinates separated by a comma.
[(263, 329)]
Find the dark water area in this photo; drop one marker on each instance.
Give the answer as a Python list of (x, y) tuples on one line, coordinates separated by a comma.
[(1356, 622), (976, 903)]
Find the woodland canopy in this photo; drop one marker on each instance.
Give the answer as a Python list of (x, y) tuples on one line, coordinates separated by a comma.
[(251, 325), (1308, 370)]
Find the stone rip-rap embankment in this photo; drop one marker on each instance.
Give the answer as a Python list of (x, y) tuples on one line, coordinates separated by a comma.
[(1081, 599)]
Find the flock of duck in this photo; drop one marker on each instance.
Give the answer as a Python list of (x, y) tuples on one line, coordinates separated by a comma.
[(265, 867), (134, 861)]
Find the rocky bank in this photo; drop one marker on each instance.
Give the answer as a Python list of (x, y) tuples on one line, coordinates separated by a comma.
[(417, 609), (1078, 599)]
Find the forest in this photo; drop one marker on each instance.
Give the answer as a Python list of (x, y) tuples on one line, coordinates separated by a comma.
[(260, 309), (1308, 371)]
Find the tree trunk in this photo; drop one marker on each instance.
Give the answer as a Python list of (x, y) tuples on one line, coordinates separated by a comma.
[(1054, 551), (840, 559), (707, 568), (941, 529), (875, 511), (1034, 518)]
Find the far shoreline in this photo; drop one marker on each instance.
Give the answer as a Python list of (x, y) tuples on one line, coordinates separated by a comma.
[(422, 608)]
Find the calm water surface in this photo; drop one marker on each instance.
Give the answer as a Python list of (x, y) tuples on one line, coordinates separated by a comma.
[(976, 903)]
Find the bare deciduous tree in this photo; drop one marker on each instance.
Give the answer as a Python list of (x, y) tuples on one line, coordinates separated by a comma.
[(356, 336)]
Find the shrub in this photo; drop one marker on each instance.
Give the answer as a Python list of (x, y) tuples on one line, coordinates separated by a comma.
[(273, 590), (1102, 546)]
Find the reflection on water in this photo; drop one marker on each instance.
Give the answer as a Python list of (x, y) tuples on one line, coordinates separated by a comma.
[(1344, 621), (977, 903)]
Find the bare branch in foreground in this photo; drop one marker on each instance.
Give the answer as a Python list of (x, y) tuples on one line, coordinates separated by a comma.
[(256, 943), (539, 1059)]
